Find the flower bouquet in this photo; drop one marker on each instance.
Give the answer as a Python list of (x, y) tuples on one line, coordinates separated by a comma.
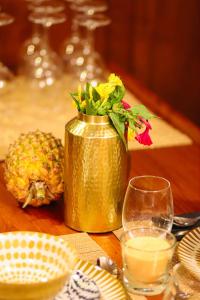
[(108, 99), (96, 155)]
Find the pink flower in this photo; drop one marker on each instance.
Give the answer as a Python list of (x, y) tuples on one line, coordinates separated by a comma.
[(145, 122), (144, 137), (125, 104)]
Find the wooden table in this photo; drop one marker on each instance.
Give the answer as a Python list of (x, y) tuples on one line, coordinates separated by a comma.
[(180, 165)]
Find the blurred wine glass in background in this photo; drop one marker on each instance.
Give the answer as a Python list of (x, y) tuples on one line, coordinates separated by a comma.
[(89, 65), (74, 42), (82, 62), (73, 47), (32, 44), (40, 64), (6, 75)]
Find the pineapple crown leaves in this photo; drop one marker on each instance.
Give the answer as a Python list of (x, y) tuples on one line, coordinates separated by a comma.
[(107, 99)]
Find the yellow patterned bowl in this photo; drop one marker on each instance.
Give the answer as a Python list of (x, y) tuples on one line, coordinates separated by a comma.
[(33, 265)]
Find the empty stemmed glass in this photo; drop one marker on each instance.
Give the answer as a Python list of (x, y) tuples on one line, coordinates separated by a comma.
[(88, 65), (148, 202), (33, 44), (6, 76), (74, 45), (74, 42), (37, 56), (45, 66)]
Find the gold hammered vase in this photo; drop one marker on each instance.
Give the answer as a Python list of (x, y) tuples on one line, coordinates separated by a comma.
[(95, 174)]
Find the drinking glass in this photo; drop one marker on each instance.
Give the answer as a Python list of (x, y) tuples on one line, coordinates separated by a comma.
[(88, 65), (81, 59), (147, 253), (34, 43), (38, 61), (6, 76), (44, 67), (148, 202), (75, 41)]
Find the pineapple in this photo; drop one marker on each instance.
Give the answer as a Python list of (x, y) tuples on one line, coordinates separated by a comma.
[(34, 168)]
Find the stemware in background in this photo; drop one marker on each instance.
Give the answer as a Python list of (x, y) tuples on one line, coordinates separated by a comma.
[(45, 66), (74, 47), (34, 43), (41, 65), (74, 43), (148, 202), (88, 66), (82, 62), (6, 76)]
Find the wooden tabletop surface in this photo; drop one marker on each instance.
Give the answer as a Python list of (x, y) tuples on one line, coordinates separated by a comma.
[(180, 165)]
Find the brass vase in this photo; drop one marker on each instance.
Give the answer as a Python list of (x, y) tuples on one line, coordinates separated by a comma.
[(95, 174)]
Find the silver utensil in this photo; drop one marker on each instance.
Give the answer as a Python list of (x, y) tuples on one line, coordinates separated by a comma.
[(185, 222), (109, 265), (179, 234)]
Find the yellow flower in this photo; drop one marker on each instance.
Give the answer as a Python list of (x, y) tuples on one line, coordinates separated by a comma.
[(104, 90), (83, 104), (90, 92), (115, 80), (130, 134), (79, 93)]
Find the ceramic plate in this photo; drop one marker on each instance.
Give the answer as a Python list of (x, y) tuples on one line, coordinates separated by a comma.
[(110, 288), (189, 252)]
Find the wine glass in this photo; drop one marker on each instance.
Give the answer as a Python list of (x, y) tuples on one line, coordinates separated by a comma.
[(148, 202), (33, 44), (87, 65), (74, 46), (45, 66), (38, 41), (74, 42), (6, 76)]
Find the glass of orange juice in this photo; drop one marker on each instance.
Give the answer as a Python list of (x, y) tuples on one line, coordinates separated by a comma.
[(146, 254)]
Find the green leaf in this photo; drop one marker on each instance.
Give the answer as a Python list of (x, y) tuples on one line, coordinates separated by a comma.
[(87, 87), (95, 95), (119, 126), (117, 95), (131, 124), (104, 108), (141, 110), (76, 101), (90, 108)]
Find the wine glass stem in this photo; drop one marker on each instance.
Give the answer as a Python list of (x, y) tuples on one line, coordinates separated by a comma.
[(75, 28), (45, 35), (90, 40), (36, 30)]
